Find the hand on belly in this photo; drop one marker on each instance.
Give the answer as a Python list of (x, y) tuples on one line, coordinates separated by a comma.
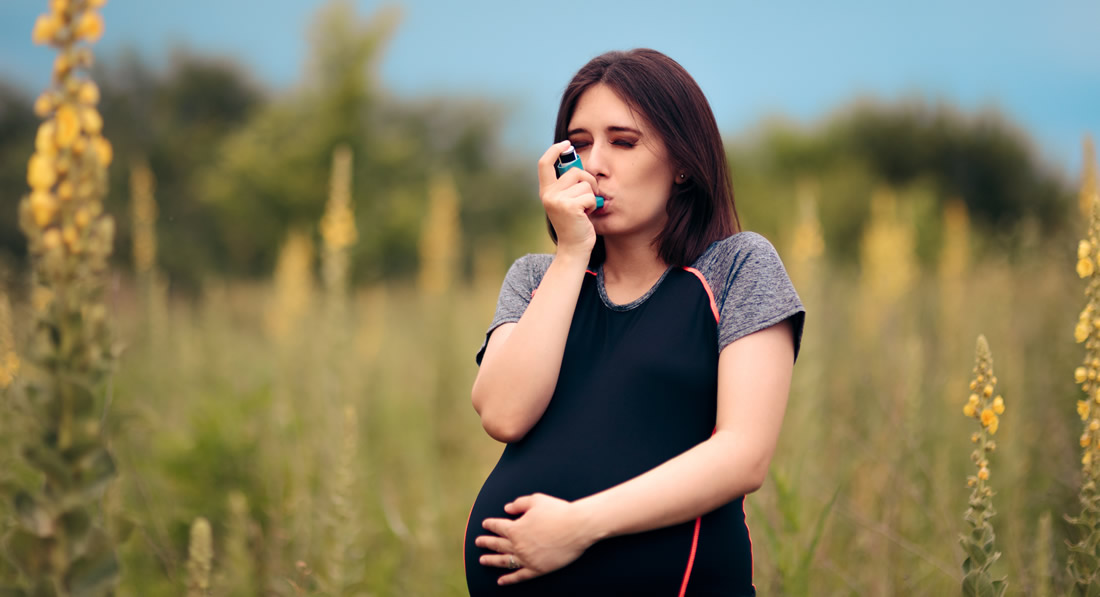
[(549, 534)]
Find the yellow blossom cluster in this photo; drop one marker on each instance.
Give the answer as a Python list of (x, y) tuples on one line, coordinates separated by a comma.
[(985, 406), (1087, 331), (67, 172), (338, 232)]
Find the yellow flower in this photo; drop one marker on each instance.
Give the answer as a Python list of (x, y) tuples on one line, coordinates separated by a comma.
[(91, 121), (1086, 439), (973, 385), (43, 105), (994, 425), (1083, 249), (68, 126), (96, 3), (90, 26), (43, 207), (999, 405), (82, 218), (45, 142), (988, 417), (69, 235), (1081, 332), (983, 474), (1080, 375), (40, 172), (1086, 459), (45, 28), (51, 239), (88, 93), (103, 151), (1084, 268), (65, 190), (987, 391), (973, 399), (974, 437), (62, 65), (970, 409), (59, 6)]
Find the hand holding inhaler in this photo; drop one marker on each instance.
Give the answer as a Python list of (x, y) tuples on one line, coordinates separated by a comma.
[(568, 195), (569, 159)]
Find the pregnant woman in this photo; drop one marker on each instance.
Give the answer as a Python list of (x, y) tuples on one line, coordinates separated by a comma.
[(638, 375)]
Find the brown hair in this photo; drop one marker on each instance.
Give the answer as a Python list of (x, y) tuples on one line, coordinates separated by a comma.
[(701, 209)]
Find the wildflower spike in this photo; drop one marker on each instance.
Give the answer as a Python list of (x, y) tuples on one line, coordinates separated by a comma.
[(71, 357), (978, 541), (1084, 556)]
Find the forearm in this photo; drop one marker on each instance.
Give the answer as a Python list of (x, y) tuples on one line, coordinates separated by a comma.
[(518, 375), (698, 481)]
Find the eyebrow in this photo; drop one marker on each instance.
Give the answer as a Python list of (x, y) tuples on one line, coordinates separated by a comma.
[(612, 129)]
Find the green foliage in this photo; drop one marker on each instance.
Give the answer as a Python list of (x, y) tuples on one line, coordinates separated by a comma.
[(981, 158), (1084, 559), (793, 542)]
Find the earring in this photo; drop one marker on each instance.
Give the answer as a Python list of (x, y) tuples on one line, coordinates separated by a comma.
[(682, 177)]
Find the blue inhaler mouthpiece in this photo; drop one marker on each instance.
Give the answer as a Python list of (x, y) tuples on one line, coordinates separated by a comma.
[(569, 159)]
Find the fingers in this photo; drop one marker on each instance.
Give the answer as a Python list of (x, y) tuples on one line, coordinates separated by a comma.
[(499, 526), (494, 543), (547, 174), (522, 503), (518, 576), (501, 560)]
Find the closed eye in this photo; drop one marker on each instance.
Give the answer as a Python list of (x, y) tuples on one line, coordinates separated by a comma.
[(623, 143)]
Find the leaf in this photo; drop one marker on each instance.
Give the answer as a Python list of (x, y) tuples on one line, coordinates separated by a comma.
[(27, 552), (33, 516), (76, 524), (49, 462), (819, 528), (95, 471), (92, 576), (977, 584)]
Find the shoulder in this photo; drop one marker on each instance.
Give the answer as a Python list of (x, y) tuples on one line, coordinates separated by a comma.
[(531, 265), (741, 253), (526, 272)]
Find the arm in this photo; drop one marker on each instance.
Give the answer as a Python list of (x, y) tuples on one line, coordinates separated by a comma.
[(519, 370), (522, 360), (754, 376)]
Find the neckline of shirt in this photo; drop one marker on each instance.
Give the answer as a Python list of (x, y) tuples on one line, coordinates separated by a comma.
[(602, 289)]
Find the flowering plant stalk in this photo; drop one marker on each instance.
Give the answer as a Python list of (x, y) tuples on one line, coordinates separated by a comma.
[(978, 543), (1084, 556), (59, 544)]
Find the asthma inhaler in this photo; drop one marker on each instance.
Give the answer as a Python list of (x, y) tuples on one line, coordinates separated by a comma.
[(569, 159)]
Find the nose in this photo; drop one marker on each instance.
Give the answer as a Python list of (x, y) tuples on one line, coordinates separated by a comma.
[(595, 162)]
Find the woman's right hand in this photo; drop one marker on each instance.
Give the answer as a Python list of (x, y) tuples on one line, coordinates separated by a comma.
[(568, 201)]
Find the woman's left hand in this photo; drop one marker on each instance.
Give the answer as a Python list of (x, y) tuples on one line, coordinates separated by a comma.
[(549, 534)]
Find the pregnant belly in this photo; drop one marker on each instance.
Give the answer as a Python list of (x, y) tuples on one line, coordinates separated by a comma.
[(653, 562)]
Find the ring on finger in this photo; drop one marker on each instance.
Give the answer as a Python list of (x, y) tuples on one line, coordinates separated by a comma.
[(512, 563)]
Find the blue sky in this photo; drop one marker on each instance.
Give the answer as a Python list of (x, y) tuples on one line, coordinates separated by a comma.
[(1037, 61)]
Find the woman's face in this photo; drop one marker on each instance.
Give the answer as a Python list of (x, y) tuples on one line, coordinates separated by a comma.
[(629, 161)]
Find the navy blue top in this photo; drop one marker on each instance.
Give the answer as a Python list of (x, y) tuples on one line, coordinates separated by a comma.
[(637, 386)]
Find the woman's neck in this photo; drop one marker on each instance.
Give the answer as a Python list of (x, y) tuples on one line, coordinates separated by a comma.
[(632, 263)]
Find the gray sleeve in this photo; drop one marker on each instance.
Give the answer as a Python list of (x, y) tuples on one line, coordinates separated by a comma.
[(751, 287), (519, 285)]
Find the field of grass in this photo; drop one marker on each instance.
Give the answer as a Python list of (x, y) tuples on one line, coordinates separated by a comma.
[(333, 447)]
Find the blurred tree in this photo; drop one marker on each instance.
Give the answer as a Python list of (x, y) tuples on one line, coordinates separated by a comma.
[(980, 157), (270, 175)]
